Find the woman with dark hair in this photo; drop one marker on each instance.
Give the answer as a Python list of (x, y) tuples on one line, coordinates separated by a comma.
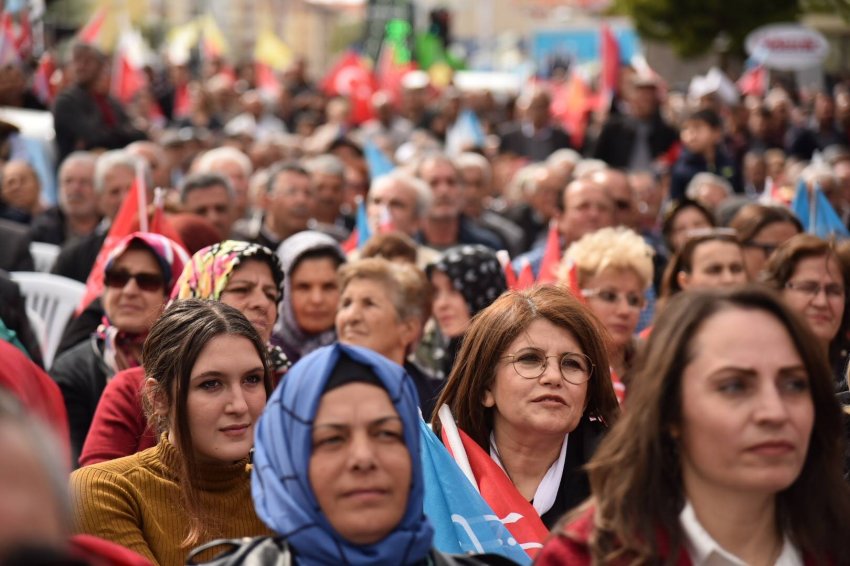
[(243, 275), (730, 451), (338, 475), (810, 276), (707, 259), (311, 293), (137, 276), (682, 217), (761, 229), (532, 387), (207, 381), (466, 279)]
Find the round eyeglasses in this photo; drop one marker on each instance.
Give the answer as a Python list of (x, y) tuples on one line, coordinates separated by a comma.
[(575, 368)]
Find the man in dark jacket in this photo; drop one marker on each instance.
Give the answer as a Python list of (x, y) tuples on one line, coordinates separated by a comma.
[(635, 140), (84, 115), (535, 137)]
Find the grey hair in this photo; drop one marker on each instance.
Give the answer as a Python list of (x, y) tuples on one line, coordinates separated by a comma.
[(563, 156), (78, 156), (707, 179), (327, 164), (420, 188), (46, 448), (199, 181), (118, 158), (205, 162), (470, 159)]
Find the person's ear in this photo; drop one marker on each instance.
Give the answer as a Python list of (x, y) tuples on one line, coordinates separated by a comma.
[(156, 399), (684, 279), (488, 400), (409, 331)]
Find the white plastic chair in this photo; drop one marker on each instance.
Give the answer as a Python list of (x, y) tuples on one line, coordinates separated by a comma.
[(53, 298), (44, 255)]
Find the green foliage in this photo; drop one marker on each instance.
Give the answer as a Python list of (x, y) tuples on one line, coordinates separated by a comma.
[(695, 27)]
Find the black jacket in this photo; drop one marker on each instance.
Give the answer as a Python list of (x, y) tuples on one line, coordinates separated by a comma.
[(689, 164), (575, 486), (80, 124), (537, 147), (615, 142), (81, 375)]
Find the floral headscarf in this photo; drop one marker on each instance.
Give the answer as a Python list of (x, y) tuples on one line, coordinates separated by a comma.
[(171, 258), (209, 270), (207, 273)]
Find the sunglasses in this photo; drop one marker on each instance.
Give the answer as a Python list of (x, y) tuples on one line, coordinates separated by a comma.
[(145, 281)]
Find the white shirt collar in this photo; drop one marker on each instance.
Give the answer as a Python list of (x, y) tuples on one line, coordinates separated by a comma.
[(705, 551)]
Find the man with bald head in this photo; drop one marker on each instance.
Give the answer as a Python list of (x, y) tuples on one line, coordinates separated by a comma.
[(620, 189)]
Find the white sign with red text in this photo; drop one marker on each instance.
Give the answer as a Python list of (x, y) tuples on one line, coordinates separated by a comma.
[(787, 47)]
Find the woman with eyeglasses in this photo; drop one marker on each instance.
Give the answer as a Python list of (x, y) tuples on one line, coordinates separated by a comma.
[(532, 387), (812, 279), (761, 229), (138, 275), (614, 269)]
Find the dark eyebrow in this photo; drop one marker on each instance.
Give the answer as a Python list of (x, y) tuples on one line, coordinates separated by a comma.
[(218, 374), (376, 422)]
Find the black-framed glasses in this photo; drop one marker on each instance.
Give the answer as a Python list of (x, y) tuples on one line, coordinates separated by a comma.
[(531, 364), (633, 300), (118, 279), (812, 289)]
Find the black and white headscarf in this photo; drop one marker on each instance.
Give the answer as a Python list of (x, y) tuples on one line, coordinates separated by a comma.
[(475, 272)]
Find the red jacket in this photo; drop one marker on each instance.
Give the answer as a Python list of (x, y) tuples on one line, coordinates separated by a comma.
[(571, 545), (35, 390), (119, 427)]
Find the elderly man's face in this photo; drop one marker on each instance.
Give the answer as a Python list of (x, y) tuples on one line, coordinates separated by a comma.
[(21, 188), (399, 202), (76, 189)]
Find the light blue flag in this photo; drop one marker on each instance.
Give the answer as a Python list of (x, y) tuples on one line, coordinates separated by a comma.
[(827, 222), (377, 161), (800, 205), (465, 133), (462, 520), (363, 231)]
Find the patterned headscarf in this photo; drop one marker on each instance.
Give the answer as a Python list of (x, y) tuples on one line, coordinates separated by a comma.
[(475, 272), (171, 258), (207, 273), (290, 252), (280, 483), (209, 270)]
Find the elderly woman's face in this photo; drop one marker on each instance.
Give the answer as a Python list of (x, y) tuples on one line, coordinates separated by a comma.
[(616, 297), (546, 406), (252, 290), (450, 308), (360, 467), (367, 317), (747, 411), (134, 294), (816, 290)]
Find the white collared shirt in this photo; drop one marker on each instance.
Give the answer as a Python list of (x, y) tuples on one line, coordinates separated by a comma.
[(705, 551)]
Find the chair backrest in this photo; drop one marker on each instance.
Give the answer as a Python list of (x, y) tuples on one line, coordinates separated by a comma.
[(54, 299), (44, 255)]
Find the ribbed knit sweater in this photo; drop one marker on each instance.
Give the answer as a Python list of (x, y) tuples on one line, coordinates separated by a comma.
[(137, 503)]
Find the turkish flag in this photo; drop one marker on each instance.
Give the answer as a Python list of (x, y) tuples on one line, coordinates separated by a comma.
[(551, 256), (351, 77)]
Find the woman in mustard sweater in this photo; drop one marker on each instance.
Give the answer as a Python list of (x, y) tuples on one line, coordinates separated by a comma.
[(207, 381)]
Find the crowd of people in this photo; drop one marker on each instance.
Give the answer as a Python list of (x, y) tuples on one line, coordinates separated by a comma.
[(630, 334)]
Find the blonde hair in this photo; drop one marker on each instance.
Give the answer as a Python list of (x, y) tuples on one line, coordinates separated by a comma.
[(609, 248)]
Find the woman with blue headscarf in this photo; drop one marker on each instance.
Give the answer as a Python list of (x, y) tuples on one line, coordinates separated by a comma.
[(337, 473)]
